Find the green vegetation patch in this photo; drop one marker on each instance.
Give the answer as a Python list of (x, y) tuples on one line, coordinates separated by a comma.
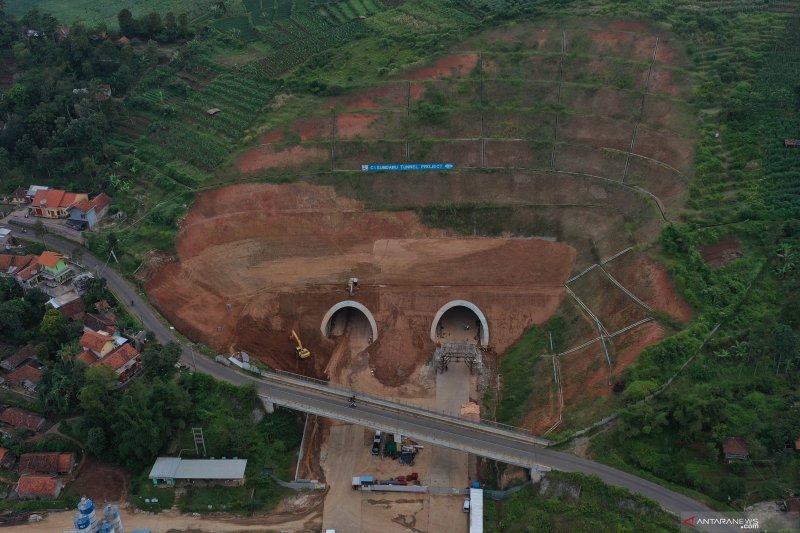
[(574, 502), (519, 379)]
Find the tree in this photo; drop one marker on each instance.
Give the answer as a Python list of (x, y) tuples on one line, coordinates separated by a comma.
[(97, 394), (10, 317), (159, 361), (153, 24), (53, 325), (151, 53), (183, 23), (96, 441), (171, 24), (127, 25), (9, 289), (783, 345)]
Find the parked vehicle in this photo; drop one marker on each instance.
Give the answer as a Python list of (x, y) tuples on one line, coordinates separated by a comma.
[(376, 443)]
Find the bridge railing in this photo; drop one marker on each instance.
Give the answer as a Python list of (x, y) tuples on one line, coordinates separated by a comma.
[(399, 404)]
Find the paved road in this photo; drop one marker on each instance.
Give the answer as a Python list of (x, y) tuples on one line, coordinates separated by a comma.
[(382, 414)]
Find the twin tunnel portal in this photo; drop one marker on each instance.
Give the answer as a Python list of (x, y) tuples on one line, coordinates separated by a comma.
[(455, 321)]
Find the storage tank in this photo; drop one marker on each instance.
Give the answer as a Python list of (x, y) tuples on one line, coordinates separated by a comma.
[(112, 516), (105, 527), (86, 518)]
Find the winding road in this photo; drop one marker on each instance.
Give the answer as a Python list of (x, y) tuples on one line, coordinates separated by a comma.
[(319, 398)]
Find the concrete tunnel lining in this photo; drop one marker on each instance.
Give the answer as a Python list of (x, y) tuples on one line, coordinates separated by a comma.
[(469, 305), (326, 320)]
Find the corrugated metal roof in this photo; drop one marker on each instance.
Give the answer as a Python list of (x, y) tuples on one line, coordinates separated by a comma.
[(165, 467), (177, 468), (475, 510)]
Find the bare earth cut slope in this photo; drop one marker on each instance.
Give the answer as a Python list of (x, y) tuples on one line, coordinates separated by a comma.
[(257, 261)]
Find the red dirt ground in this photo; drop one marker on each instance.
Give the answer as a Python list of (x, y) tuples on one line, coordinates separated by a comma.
[(101, 481), (265, 157), (351, 125), (280, 257), (650, 282), (452, 66), (380, 97), (585, 376), (726, 250), (639, 47), (628, 25)]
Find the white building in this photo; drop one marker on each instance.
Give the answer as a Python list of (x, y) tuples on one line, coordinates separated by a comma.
[(172, 470)]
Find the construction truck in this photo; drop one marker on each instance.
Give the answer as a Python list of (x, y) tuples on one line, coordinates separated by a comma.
[(302, 352)]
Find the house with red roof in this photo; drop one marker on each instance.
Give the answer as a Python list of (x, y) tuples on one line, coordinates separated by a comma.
[(26, 376), (19, 357), (53, 203), (735, 448), (125, 361), (47, 463), (21, 268), (98, 343), (87, 213), (54, 269), (37, 486), (20, 419)]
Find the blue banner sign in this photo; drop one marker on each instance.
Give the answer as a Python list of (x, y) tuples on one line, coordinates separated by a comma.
[(408, 166)]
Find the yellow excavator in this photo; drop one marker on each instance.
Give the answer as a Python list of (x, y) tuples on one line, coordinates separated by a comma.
[(302, 353)]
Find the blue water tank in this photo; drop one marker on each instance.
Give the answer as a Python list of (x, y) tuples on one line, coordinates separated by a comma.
[(111, 512), (82, 522), (105, 527), (86, 507), (476, 485)]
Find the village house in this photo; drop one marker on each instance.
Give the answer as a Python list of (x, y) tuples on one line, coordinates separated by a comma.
[(6, 458), (26, 376), (39, 487), (53, 203), (735, 448), (99, 343), (54, 269), (70, 305), (20, 356), (18, 197), (87, 213), (21, 268), (95, 322), (20, 419), (5, 238), (47, 463), (125, 361), (30, 193)]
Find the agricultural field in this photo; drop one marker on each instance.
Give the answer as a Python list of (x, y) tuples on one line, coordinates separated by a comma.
[(92, 12)]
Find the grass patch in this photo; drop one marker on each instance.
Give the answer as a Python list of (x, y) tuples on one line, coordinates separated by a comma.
[(517, 369), (256, 495), (142, 489)]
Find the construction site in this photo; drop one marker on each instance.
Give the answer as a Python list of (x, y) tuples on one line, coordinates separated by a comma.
[(342, 280)]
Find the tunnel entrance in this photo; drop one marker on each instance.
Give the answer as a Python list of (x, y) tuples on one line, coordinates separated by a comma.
[(460, 321), (352, 318)]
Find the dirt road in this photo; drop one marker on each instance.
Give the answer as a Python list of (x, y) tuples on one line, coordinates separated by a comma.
[(173, 521)]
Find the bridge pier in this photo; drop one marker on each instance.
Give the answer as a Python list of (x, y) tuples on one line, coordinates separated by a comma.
[(269, 405), (537, 473)]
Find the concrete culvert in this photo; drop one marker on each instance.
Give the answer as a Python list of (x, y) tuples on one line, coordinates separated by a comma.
[(352, 315), (460, 320)]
